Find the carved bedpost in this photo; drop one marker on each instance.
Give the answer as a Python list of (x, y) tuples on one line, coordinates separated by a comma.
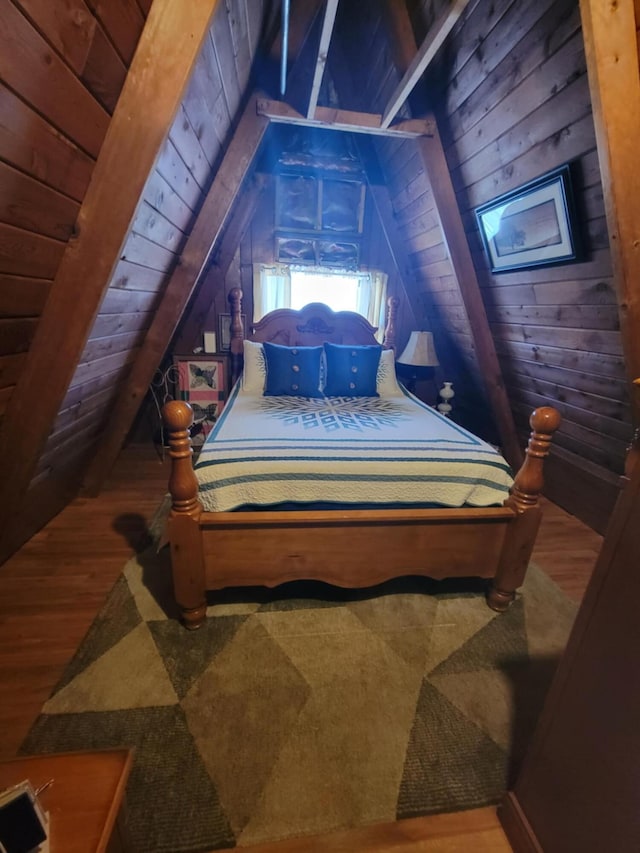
[(237, 333), (187, 560), (525, 500), (389, 341)]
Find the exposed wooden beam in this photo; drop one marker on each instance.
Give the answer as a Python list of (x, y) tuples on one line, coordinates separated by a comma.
[(343, 120), (206, 231), (158, 75), (323, 49), (610, 37), (450, 221), (438, 32)]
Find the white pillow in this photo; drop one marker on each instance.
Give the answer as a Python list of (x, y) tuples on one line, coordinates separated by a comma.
[(254, 371), (386, 381)]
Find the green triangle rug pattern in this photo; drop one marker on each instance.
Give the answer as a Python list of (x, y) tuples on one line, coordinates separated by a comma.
[(305, 709)]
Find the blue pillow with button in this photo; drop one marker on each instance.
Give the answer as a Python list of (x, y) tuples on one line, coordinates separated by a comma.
[(351, 370), (292, 371)]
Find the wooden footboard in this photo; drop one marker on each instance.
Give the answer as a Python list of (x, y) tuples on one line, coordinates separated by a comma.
[(350, 548)]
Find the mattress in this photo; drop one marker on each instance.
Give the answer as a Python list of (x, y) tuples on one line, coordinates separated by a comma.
[(344, 451)]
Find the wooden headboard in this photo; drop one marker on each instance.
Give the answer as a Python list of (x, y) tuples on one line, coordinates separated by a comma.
[(310, 326)]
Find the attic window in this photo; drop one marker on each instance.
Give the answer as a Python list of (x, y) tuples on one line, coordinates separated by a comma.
[(286, 286)]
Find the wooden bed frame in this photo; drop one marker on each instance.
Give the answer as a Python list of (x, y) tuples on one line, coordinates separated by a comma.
[(348, 548)]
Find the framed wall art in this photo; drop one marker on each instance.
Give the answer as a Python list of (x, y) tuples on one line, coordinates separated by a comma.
[(202, 381), (531, 226), (224, 330)]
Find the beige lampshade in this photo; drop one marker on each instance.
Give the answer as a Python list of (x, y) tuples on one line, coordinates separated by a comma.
[(420, 351)]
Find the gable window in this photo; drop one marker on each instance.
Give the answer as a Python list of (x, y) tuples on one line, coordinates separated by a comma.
[(289, 286)]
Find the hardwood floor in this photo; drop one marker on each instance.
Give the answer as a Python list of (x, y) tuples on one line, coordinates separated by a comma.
[(51, 590)]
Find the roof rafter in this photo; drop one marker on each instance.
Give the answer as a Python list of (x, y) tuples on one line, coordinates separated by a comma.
[(438, 32), (347, 121), (323, 49)]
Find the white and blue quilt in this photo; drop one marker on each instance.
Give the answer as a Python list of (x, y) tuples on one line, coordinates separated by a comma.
[(356, 451)]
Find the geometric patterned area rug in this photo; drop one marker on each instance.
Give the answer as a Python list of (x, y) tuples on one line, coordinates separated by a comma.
[(305, 709)]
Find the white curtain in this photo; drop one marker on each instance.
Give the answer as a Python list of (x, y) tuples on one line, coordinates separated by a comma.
[(271, 288), (372, 299)]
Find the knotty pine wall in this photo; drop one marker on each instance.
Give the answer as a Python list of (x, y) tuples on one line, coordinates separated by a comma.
[(511, 96), (513, 102), (62, 67)]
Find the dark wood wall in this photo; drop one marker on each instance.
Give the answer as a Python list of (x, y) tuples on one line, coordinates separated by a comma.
[(513, 102), (62, 67), (511, 96)]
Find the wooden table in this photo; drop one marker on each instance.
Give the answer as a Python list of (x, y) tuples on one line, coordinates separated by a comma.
[(86, 800)]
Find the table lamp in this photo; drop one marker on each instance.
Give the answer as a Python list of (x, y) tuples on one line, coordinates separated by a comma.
[(418, 355)]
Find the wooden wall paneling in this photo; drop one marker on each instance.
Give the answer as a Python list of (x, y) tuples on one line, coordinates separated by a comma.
[(107, 325), (5, 396), (39, 76), (200, 103), (187, 143), (546, 36), (159, 194), (16, 334), (130, 276), (153, 225), (239, 28), (203, 310), (21, 296), (159, 72), (29, 204), (204, 235), (605, 342), (571, 359), (223, 50), (140, 250), (612, 59), (25, 253), (10, 368), (87, 371), (125, 301), (612, 388), (577, 316), (42, 151), (123, 21), (104, 71), (173, 170)]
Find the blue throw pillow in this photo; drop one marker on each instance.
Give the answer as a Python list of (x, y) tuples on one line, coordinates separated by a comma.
[(351, 370), (292, 371)]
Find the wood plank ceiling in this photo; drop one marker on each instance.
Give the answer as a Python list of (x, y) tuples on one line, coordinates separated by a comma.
[(502, 96)]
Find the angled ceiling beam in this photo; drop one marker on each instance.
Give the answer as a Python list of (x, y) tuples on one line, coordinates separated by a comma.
[(204, 235), (438, 32), (323, 49), (343, 120), (610, 37), (168, 46), (455, 239)]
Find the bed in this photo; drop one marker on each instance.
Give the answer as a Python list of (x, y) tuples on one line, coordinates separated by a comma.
[(346, 479)]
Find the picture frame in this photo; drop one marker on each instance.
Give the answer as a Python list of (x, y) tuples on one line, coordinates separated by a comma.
[(534, 225), (203, 382), (224, 331)]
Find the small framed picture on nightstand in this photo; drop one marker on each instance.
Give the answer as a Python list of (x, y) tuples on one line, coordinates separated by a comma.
[(202, 381)]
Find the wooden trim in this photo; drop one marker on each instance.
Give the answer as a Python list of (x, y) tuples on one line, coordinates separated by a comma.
[(323, 48), (160, 70), (347, 121), (438, 32), (206, 231), (516, 826), (610, 38)]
